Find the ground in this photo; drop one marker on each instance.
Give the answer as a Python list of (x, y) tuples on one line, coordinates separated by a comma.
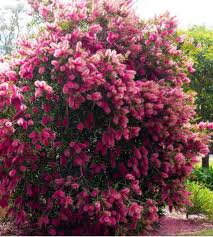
[(177, 224), (172, 224)]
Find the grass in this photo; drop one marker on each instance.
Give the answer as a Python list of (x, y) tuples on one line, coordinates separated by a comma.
[(201, 233)]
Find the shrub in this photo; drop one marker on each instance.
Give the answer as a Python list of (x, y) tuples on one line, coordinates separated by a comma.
[(203, 176), (201, 198), (95, 126)]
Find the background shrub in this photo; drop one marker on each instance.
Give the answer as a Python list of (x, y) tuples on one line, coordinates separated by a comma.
[(201, 198), (203, 176), (95, 132)]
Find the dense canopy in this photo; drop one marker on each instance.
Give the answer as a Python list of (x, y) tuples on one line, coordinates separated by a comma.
[(95, 132)]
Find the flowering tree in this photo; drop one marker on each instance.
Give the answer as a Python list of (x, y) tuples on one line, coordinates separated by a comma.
[(95, 127)]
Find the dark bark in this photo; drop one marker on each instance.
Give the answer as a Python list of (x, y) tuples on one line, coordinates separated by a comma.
[(205, 162)]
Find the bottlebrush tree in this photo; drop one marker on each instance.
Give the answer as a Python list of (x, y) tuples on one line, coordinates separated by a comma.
[(95, 133)]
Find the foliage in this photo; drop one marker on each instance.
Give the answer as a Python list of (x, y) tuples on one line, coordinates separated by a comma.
[(199, 46), (201, 198), (95, 130), (204, 176)]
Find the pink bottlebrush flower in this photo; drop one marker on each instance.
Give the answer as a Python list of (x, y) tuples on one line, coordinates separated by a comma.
[(191, 69), (95, 28), (202, 125), (52, 231), (12, 173), (205, 125), (20, 122), (179, 158), (23, 168), (75, 186), (56, 64), (97, 205), (152, 37), (41, 70), (94, 193), (80, 126), (38, 147), (67, 153), (135, 131), (68, 201), (112, 37), (30, 122), (104, 105), (210, 126), (108, 140), (59, 181), (8, 124), (44, 11), (96, 96), (58, 194), (130, 177), (15, 143), (135, 210), (62, 68), (147, 42)]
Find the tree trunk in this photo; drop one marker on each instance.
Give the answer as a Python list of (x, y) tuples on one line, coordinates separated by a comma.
[(205, 162)]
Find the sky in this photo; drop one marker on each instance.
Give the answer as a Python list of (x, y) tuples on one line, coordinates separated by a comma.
[(188, 12)]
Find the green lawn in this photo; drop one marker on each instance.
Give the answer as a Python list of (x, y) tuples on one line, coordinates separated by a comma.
[(202, 233)]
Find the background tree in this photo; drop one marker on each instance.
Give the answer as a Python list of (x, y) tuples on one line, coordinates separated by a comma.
[(15, 23), (199, 47), (11, 18)]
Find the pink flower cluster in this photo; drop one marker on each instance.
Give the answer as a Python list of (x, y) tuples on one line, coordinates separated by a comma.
[(95, 133), (42, 87)]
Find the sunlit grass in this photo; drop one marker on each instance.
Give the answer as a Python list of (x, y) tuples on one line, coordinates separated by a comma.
[(201, 233)]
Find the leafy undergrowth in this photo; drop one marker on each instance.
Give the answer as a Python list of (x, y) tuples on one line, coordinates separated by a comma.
[(201, 198), (203, 176)]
